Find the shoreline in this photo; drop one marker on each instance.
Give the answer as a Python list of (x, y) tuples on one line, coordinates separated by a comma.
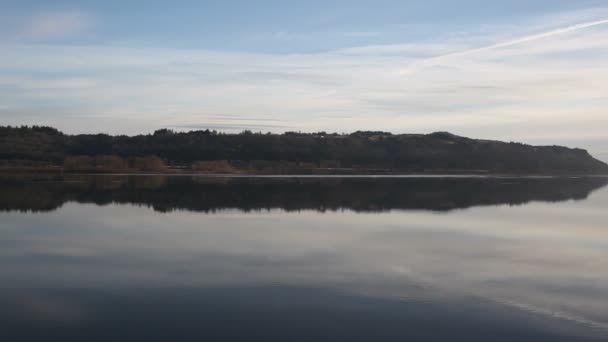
[(312, 174)]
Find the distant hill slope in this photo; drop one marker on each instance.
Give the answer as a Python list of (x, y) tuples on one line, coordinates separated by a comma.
[(299, 152)]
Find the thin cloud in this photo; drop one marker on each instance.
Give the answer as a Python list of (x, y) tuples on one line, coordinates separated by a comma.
[(55, 24), (522, 40), (227, 126), (547, 34), (242, 118)]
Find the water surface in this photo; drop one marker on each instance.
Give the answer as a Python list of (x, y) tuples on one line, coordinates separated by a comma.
[(157, 258)]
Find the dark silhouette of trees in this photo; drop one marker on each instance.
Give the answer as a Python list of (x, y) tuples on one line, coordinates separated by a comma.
[(365, 151)]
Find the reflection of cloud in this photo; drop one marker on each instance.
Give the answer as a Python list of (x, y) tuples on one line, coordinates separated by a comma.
[(556, 314), (50, 309), (544, 258), (494, 298)]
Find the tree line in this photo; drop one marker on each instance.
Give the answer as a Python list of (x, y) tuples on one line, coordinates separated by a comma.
[(208, 150)]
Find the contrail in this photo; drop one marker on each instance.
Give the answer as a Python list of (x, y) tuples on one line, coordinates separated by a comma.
[(544, 35), (518, 41)]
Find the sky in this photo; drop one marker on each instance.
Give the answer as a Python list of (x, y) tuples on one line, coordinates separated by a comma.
[(533, 71)]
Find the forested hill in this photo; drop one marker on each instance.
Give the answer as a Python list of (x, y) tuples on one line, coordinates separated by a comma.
[(210, 151)]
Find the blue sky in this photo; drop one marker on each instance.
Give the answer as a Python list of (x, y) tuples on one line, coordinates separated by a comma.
[(531, 71), (286, 26)]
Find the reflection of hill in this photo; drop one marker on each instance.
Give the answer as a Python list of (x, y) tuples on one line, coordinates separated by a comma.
[(207, 194)]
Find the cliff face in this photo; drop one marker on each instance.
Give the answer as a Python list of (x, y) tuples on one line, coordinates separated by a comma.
[(297, 152)]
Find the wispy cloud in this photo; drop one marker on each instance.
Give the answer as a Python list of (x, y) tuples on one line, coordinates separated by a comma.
[(229, 126)]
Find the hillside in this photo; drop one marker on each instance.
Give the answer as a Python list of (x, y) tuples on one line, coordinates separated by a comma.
[(210, 151)]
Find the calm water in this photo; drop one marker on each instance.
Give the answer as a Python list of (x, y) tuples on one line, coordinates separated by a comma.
[(152, 258)]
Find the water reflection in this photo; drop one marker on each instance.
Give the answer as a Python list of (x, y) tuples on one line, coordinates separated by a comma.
[(533, 272), (200, 193)]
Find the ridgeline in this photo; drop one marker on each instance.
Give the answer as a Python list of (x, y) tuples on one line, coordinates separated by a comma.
[(45, 149)]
